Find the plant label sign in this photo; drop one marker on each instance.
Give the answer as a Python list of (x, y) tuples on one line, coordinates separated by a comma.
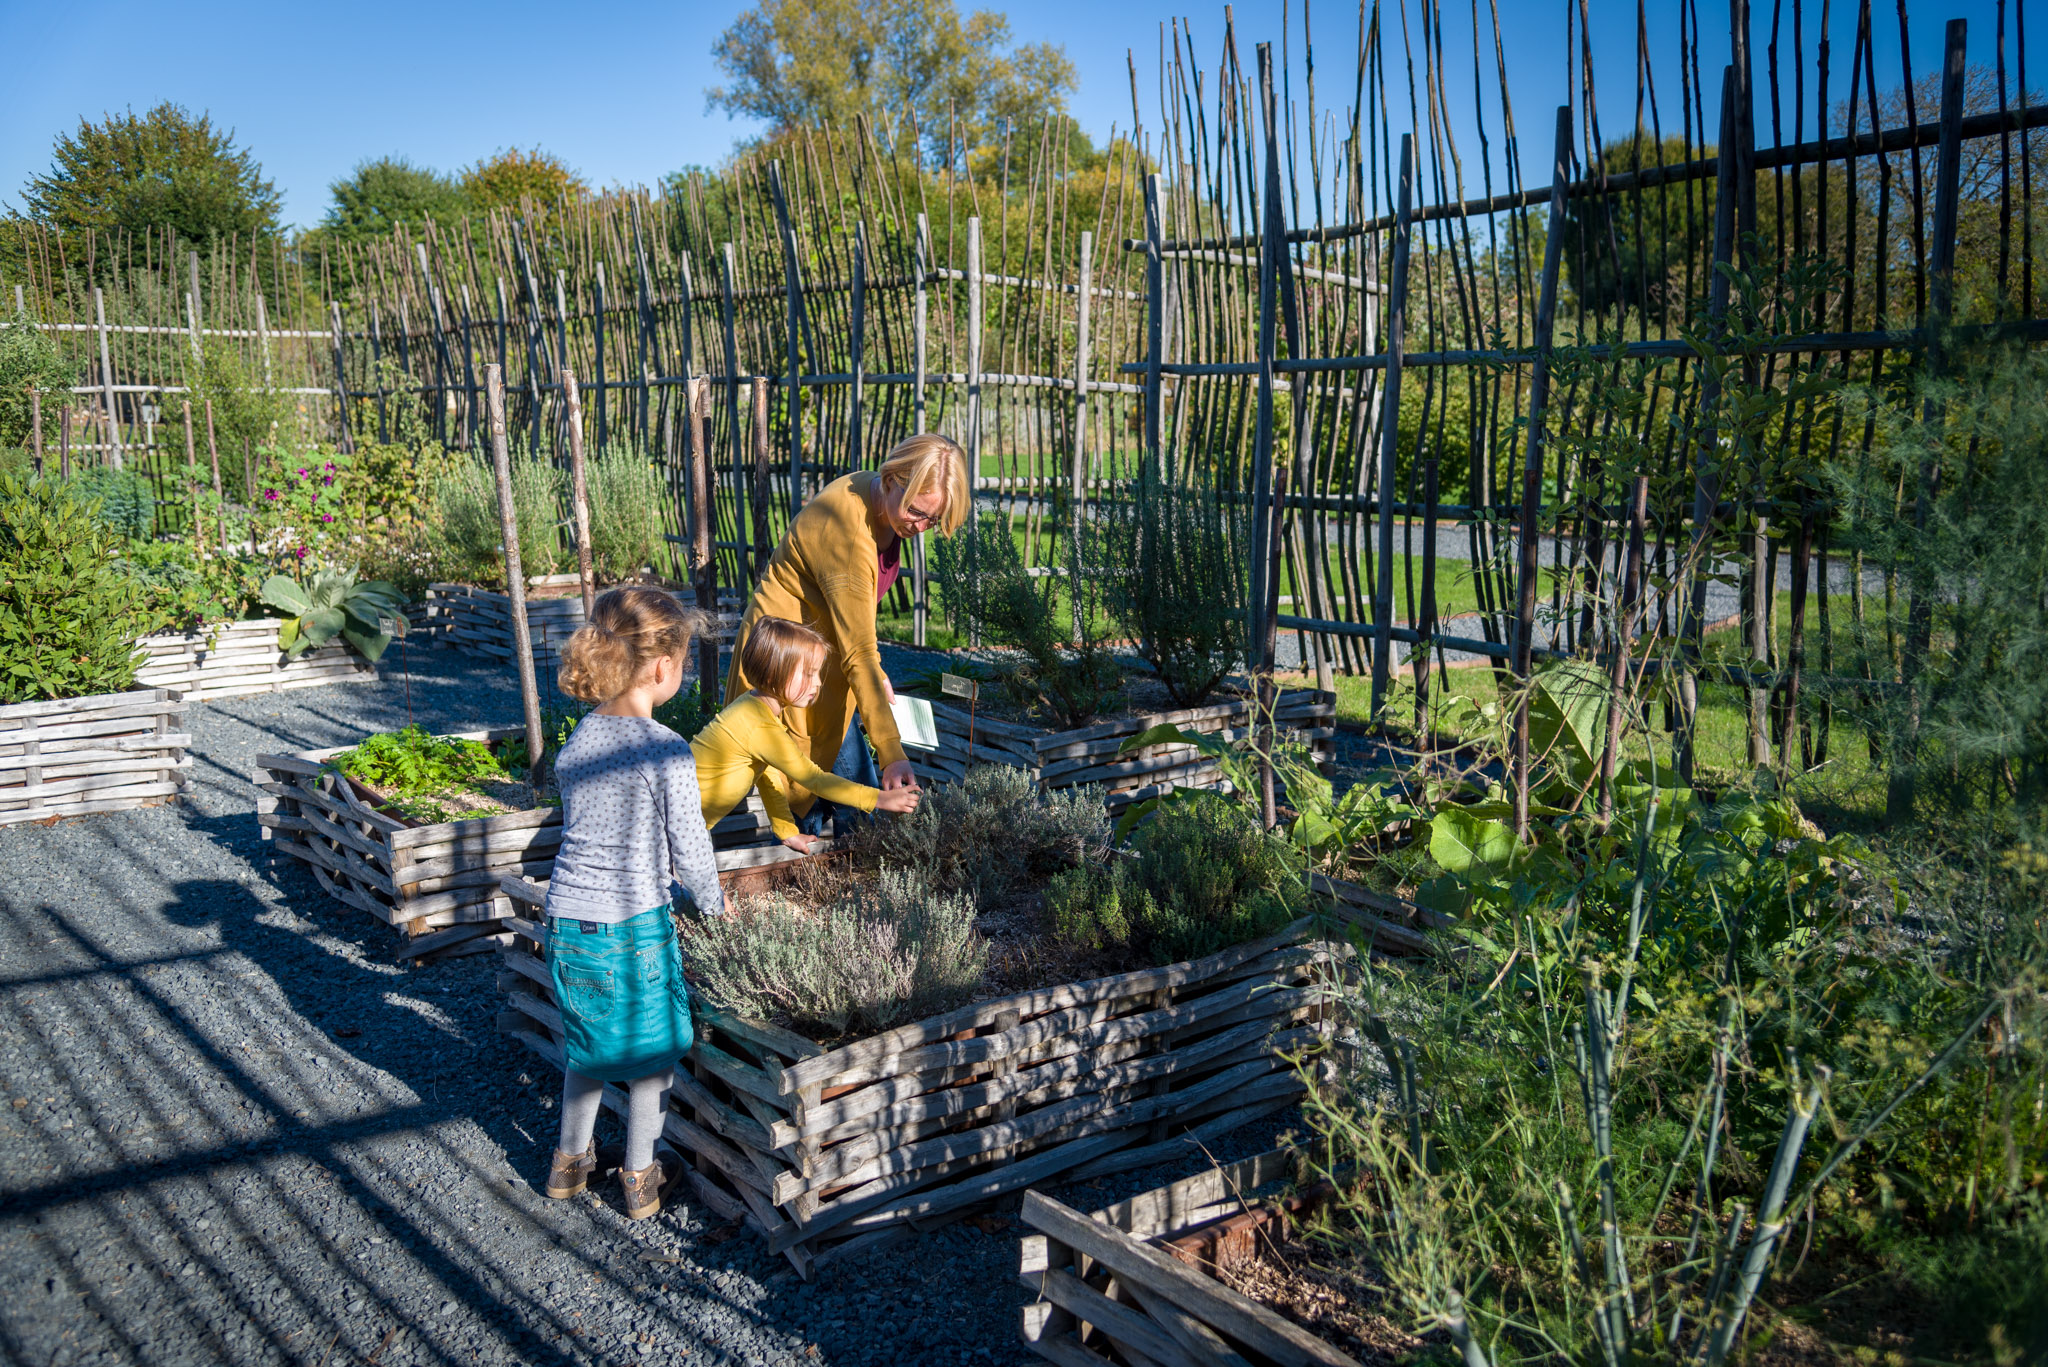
[(959, 686)]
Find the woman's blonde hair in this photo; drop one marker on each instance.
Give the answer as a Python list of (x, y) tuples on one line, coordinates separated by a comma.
[(927, 461), (772, 651), (628, 627)]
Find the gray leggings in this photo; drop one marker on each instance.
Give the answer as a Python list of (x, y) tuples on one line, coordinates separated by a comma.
[(647, 1100)]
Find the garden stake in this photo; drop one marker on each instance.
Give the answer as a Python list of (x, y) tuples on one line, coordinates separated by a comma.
[(515, 575), (64, 438), (192, 485), (35, 419), (579, 492)]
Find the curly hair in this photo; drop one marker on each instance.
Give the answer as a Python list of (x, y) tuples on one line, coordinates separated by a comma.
[(628, 627)]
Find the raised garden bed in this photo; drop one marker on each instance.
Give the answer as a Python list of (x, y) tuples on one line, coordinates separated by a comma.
[(831, 1152), (239, 659), (480, 620), (105, 753), (1092, 754), (1138, 1283), (437, 881)]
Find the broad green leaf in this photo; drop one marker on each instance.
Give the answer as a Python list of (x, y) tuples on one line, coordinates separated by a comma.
[(288, 633), (1132, 815), (320, 625), (1445, 895), (1464, 844), (280, 592), (1169, 734), (370, 645), (1568, 714)]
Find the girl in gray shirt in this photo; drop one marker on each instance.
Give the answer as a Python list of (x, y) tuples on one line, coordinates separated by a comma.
[(631, 822)]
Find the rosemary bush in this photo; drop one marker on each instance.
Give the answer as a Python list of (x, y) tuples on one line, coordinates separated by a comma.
[(1170, 562), (885, 951), (625, 502), (468, 536)]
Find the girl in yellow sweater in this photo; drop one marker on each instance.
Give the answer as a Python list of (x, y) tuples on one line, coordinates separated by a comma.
[(748, 739)]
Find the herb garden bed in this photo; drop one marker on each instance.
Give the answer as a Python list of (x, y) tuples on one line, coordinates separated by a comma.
[(238, 659), (105, 753), (1095, 754), (1138, 1282)]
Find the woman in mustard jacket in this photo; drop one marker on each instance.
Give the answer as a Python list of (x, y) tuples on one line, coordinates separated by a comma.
[(839, 558)]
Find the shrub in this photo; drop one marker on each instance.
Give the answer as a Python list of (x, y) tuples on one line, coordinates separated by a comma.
[(625, 525), (986, 589), (989, 832), (883, 952), (122, 500), (1169, 562), (69, 615), (1208, 878), (30, 359), (468, 535), (181, 590)]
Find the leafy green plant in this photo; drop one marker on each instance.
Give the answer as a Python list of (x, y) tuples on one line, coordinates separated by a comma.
[(122, 500), (887, 950), (985, 587), (334, 604), (467, 535), (625, 502), (1169, 561), (989, 833), (30, 359), (411, 764), (69, 614), (182, 589), (1206, 878)]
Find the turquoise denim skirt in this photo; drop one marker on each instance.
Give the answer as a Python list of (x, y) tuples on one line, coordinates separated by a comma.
[(625, 1009)]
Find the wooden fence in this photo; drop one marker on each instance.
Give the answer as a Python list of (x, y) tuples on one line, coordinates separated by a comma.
[(1310, 307)]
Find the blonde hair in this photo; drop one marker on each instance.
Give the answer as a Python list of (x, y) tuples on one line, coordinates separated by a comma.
[(772, 651), (628, 627), (918, 464)]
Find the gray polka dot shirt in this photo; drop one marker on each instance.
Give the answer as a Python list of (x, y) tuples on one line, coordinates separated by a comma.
[(631, 819)]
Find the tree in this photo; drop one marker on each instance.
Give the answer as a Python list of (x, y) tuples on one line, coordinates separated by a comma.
[(381, 194), (797, 63), (162, 169), (503, 180), (1663, 235), (30, 359)]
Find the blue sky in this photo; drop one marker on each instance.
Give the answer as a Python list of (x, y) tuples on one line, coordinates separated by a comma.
[(618, 90)]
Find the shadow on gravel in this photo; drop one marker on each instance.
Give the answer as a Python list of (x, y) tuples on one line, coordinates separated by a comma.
[(250, 1154)]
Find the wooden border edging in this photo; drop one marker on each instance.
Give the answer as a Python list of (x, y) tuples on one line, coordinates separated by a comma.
[(108, 752), (242, 659), (1128, 1279), (831, 1153)]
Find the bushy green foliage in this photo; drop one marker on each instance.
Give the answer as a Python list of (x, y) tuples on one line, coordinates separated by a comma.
[(411, 766), (625, 517), (166, 168), (986, 589), (1206, 878), (1170, 562), (30, 359), (467, 535), (122, 500), (182, 590), (989, 833), (383, 192), (250, 422), (887, 950), (69, 615)]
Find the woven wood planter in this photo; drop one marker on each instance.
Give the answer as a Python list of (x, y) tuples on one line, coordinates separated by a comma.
[(1068, 759), (105, 753), (480, 620), (1133, 1283), (440, 883), (830, 1153), (238, 659)]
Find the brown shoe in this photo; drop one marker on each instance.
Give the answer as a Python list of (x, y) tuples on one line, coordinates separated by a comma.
[(644, 1190), (570, 1173)]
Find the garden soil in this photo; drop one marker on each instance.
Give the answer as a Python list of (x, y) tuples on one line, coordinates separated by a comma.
[(234, 1130)]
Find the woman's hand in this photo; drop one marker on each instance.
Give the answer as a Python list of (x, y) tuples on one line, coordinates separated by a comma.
[(800, 843), (899, 799), (899, 775), (888, 691)]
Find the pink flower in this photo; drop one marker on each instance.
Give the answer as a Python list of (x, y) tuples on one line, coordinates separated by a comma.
[(270, 494), (301, 552), (328, 466), (302, 472), (327, 517), (329, 479)]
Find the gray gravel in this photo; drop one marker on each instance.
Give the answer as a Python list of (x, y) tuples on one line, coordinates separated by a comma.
[(233, 1130)]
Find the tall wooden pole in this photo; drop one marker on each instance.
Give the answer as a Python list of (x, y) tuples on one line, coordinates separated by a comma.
[(64, 440), (515, 572), (703, 553), (579, 493), (859, 344), (35, 423), (597, 332), (973, 432), (191, 484), (792, 284), (1265, 575), (1390, 433), (1624, 642), (99, 309), (1155, 322), (1077, 486), (1528, 536), (758, 389), (920, 611)]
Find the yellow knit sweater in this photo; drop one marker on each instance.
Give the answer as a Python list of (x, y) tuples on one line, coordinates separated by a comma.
[(824, 575), (742, 746)]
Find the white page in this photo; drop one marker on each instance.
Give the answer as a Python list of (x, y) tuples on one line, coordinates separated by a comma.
[(914, 722)]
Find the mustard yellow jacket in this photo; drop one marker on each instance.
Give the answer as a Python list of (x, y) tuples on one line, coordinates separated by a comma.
[(746, 743), (824, 575)]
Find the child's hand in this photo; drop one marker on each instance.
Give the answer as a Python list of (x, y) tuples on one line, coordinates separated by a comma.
[(899, 799), (800, 843)]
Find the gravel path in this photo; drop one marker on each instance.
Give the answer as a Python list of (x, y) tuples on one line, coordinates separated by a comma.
[(232, 1130)]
